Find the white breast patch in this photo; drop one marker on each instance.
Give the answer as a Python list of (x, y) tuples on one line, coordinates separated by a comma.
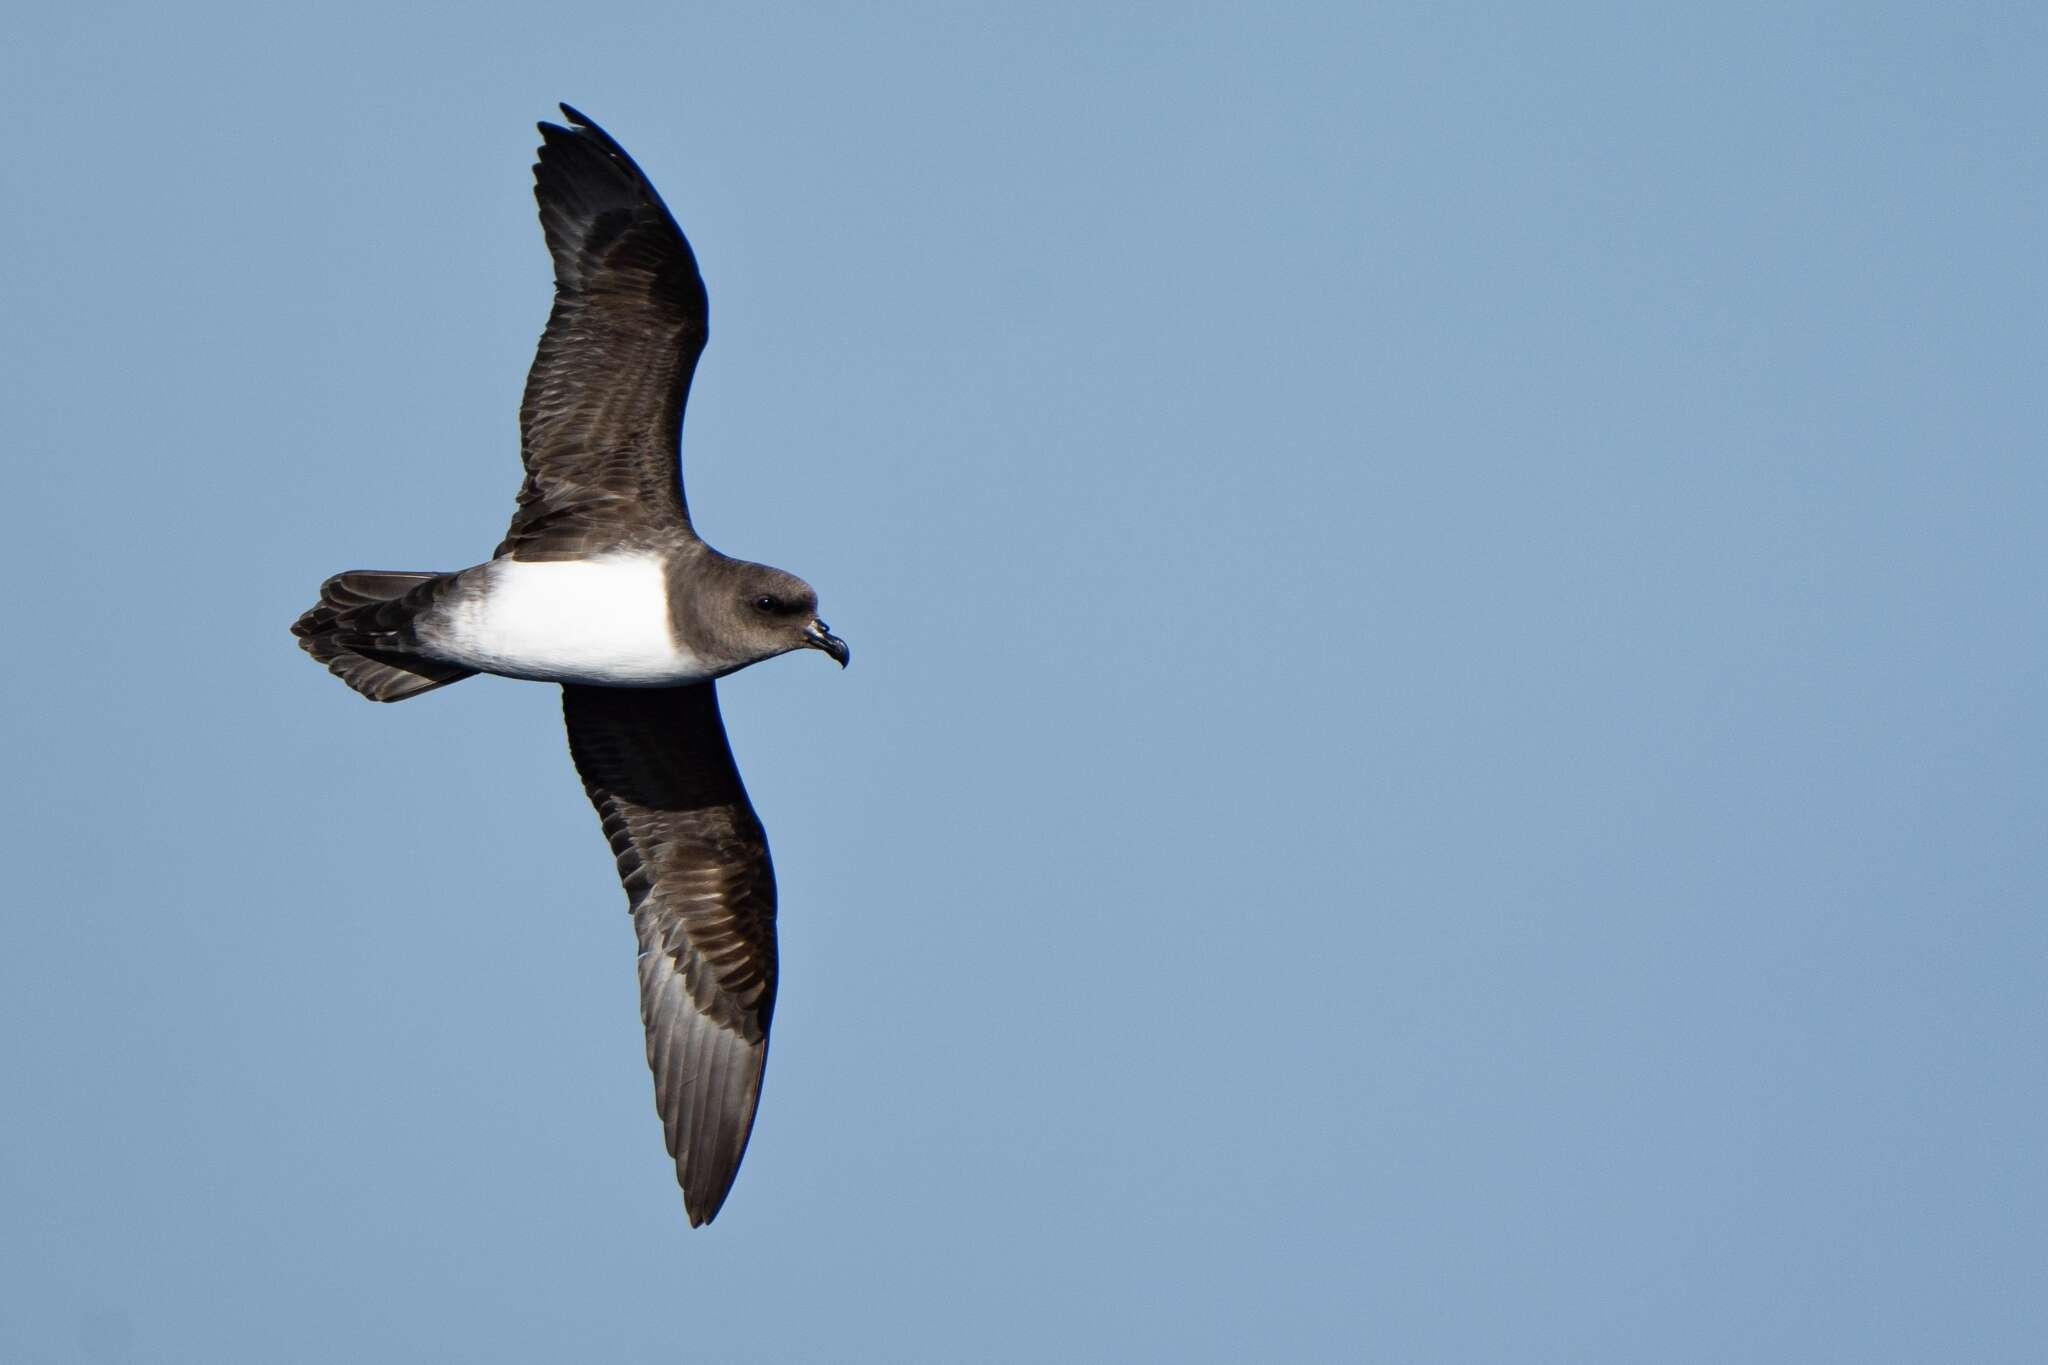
[(593, 621)]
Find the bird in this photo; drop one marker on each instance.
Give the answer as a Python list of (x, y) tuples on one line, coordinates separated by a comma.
[(603, 586)]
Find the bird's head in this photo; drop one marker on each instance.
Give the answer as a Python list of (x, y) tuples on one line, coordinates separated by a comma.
[(762, 612)]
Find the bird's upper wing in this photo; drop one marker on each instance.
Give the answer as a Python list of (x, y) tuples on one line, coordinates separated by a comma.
[(698, 881), (601, 422)]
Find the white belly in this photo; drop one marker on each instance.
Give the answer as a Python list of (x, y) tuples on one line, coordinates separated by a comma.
[(592, 621)]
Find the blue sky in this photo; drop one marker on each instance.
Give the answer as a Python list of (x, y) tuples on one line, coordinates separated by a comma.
[(1444, 759)]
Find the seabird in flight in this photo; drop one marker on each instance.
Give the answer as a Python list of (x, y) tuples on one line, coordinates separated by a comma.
[(602, 585)]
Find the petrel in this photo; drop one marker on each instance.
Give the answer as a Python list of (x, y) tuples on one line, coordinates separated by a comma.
[(603, 586)]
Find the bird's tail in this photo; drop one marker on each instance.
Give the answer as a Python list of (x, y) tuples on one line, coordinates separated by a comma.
[(361, 628)]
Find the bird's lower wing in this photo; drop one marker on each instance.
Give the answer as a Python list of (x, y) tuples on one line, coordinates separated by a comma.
[(701, 889)]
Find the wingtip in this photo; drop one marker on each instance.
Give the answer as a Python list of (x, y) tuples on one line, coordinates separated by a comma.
[(700, 1210), (584, 128), (703, 1202), (579, 123)]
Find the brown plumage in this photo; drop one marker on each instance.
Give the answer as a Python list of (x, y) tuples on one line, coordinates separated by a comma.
[(602, 417), (702, 891), (601, 583)]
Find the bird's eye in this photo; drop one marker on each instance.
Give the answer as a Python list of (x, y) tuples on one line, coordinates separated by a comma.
[(767, 604)]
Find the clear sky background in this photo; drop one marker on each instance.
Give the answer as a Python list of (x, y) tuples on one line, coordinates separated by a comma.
[(1445, 753)]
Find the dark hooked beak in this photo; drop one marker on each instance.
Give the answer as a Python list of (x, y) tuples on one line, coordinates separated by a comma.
[(818, 635)]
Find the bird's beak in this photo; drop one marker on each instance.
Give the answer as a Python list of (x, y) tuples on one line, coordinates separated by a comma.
[(818, 635)]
